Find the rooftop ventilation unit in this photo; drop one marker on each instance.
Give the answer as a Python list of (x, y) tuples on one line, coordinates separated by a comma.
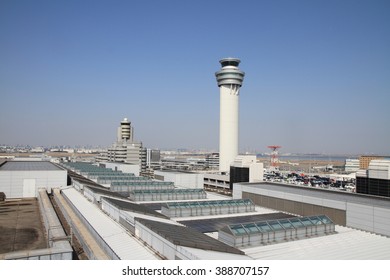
[(167, 194), (275, 231), (206, 208)]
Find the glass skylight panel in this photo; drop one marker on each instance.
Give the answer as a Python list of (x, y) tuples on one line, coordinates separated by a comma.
[(238, 230), (172, 205), (284, 229), (306, 221), (325, 219), (286, 224), (296, 223), (275, 225), (315, 220), (251, 228), (264, 226)]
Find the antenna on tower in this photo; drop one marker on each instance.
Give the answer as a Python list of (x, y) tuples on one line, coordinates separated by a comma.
[(274, 157)]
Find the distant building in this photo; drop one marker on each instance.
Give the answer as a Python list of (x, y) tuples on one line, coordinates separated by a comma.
[(181, 179), (125, 152), (364, 161), (245, 168), (38, 150), (150, 160), (125, 149), (352, 165), (376, 179), (217, 182), (212, 161)]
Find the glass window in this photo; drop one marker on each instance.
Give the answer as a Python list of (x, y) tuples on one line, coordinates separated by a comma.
[(296, 223), (251, 228), (238, 230), (264, 226), (286, 224), (275, 225), (306, 221), (315, 220), (325, 219)]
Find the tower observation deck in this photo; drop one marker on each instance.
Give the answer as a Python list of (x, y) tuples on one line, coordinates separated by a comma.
[(229, 80), (125, 130)]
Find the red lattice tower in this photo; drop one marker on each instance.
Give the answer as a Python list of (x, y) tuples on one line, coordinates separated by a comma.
[(274, 155)]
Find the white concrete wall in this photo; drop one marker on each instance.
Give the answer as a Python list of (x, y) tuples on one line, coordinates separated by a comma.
[(12, 182), (157, 242), (125, 168), (379, 169), (110, 209), (256, 172), (183, 180), (90, 195), (369, 218)]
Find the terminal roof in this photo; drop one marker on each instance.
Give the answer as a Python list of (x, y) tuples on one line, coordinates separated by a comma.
[(188, 237), (29, 166)]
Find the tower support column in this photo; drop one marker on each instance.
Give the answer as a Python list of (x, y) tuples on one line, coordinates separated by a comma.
[(229, 80)]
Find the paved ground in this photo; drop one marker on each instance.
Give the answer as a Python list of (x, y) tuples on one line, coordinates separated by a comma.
[(21, 226)]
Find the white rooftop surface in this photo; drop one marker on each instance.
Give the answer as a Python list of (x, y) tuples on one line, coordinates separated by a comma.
[(212, 234), (124, 245), (148, 217), (346, 244), (216, 196), (214, 255)]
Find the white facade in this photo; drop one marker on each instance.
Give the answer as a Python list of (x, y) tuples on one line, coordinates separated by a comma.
[(212, 161), (217, 180), (125, 131), (379, 169), (125, 168), (229, 80), (351, 165), (256, 169), (182, 179), (124, 150), (228, 127), (22, 180)]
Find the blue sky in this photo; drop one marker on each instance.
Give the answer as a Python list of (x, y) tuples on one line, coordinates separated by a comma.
[(317, 73)]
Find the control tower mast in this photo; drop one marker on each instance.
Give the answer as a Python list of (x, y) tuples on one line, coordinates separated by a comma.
[(229, 80)]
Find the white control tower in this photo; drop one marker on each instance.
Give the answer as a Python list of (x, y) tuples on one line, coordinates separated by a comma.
[(229, 80), (125, 131)]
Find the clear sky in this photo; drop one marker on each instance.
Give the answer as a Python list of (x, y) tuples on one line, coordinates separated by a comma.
[(317, 72)]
